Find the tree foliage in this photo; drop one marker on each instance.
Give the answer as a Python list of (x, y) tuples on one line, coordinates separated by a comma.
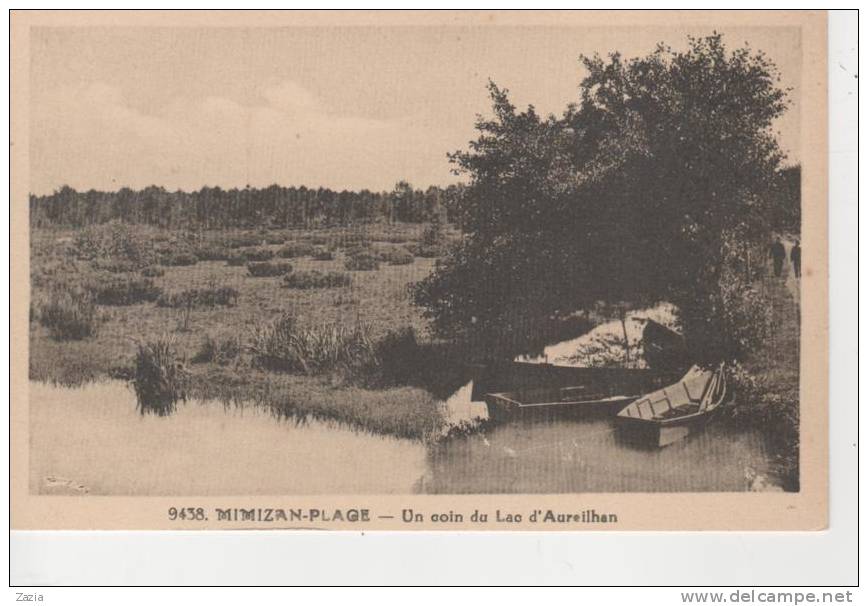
[(655, 185)]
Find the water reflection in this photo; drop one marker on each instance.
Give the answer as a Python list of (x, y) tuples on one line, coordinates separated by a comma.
[(91, 440)]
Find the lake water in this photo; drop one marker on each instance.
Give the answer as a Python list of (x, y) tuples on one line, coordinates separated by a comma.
[(91, 440)]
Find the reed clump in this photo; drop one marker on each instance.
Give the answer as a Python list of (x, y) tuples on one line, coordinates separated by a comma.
[(283, 345), (159, 378)]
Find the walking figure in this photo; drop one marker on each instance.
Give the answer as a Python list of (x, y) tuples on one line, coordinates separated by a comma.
[(796, 258), (778, 254)]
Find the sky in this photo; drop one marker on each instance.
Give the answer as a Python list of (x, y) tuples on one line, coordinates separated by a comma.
[(339, 107)]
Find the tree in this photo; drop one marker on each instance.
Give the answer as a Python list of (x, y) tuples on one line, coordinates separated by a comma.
[(652, 187)]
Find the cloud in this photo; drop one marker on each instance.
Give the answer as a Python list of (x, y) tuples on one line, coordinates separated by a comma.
[(92, 136)]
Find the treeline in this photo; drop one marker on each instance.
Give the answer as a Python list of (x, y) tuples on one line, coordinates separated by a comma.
[(217, 208)]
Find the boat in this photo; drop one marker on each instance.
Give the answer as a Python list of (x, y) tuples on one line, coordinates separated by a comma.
[(593, 391), (545, 402), (670, 414)]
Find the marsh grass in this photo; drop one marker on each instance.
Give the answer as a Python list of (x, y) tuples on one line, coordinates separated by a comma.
[(316, 279), (296, 249), (124, 289), (209, 296), (283, 345), (257, 254), (322, 254), (220, 350), (362, 261), (69, 315), (264, 269), (159, 379), (396, 256), (153, 271), (212, 252), (179, 259)]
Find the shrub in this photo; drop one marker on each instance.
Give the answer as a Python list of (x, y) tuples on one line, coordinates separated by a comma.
[(268, 268), (159, 379), (352, 239), (319, 240), (316, 279), (243, 241), (235, 260), (179, 259), (274, 239), (221, 350), (363, 261), (296, 249), (427, 250), (282, 345), (396, 256), (153, 271), (212, 252), (115, 266), (257, 254), (123, 289), (114, 240), (322, 254), (69, 315), (211, 296)]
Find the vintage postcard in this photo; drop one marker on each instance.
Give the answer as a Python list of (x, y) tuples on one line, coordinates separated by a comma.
[(542, 270)]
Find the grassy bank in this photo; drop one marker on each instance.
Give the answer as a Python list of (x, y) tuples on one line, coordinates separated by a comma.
[(105, 333)]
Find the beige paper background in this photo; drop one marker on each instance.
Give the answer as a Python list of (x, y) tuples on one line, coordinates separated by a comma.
[(806, 510)]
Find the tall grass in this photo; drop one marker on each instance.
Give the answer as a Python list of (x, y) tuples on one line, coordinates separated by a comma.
[(221, 350), (159, 379), (122, 289), (316, 279), (69, 315), (296, 249), (210, 296), (283, 345)]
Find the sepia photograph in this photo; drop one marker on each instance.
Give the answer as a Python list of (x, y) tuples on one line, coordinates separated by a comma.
[(394, 258)]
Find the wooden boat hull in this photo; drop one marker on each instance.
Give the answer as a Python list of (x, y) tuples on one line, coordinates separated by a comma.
[(673, 413), (504, 406), (658, 435)]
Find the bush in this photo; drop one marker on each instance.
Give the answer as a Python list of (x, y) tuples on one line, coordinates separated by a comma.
[(114, 240), (257, 254), (397, 256), (268, 268), (322, 254), (221, 350), (275, 239), (212, 252), (282, 345), (159, 379), (429, 251), (296, 249), (316, 279), (69, 315), (211, 296), (123, 290), (115, 266), (179, 259), (235, 260), (153, 271), (243, 241), (363, 261)]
